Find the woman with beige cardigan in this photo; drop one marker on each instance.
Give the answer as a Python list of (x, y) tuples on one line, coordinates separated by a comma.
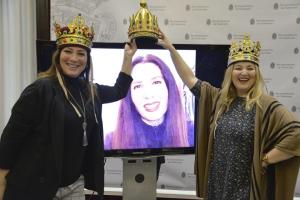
[(247, 143)]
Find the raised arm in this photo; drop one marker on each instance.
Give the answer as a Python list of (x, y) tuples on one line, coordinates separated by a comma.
[(119, 90), (185, 73), (129, 50)]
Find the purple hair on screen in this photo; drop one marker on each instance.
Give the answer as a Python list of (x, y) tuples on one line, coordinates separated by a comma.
[(129, 132)]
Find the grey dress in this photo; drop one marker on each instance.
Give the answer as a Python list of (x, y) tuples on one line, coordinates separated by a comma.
[(230, 171)]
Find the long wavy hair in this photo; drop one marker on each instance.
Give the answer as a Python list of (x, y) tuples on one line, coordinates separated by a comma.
[(129, 132), (228, 91)]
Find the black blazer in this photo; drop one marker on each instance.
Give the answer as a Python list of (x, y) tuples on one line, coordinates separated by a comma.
[(31, 145)]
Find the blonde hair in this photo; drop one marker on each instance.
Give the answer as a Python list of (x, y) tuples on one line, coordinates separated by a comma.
[(228, 91)]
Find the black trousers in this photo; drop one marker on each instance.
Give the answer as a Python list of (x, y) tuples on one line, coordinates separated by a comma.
[(14, 193)]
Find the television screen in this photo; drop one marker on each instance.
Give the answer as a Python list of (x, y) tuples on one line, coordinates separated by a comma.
[(157, 116), (158, 113)]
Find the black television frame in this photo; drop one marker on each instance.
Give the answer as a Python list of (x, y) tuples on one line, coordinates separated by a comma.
[(211, 63)]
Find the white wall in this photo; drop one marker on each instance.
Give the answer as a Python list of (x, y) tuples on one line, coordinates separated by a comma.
[(1, 70), (17, 52)]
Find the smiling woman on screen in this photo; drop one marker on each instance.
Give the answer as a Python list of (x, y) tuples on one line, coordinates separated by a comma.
[(152, 114)]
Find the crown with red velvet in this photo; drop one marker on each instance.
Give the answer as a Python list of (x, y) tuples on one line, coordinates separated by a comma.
[(76, 32)]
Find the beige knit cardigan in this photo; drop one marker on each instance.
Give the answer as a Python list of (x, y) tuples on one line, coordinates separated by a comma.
[(275, 126)]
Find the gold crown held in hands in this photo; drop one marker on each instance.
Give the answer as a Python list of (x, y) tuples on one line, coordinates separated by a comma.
[(143, 23), (76, 32), (245, 50)]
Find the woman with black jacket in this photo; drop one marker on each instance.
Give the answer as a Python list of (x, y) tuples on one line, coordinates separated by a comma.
[(52, 145)]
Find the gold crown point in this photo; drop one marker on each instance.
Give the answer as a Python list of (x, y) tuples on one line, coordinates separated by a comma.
[(143, 4)]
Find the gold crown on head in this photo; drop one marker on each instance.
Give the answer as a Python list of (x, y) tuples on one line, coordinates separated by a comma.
[(76, 32), (245, 50), (143, 23)]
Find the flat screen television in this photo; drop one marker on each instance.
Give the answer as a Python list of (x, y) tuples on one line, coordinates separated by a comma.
[(207, 61)]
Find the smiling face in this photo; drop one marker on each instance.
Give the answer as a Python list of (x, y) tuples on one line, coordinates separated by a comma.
[(149, 92), (73, 60), (243, 77)]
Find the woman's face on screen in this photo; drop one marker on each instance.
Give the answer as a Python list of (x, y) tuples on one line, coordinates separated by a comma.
[(149, 92)]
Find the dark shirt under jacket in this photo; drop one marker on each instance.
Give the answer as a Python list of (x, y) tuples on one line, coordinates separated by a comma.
[(73, 153), (32, 143)]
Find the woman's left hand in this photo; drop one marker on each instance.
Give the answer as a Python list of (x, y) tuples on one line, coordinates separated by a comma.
[(130, 48), (264, 163)]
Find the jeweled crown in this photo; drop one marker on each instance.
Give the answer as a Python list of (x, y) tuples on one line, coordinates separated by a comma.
[(143, 23), (245, 50), (76, 32)]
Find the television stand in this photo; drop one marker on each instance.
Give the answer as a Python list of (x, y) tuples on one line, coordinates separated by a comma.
[(139, 178)]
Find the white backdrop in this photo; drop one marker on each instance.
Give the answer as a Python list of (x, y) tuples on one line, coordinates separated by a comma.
[(275, 23), (17, 52)]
